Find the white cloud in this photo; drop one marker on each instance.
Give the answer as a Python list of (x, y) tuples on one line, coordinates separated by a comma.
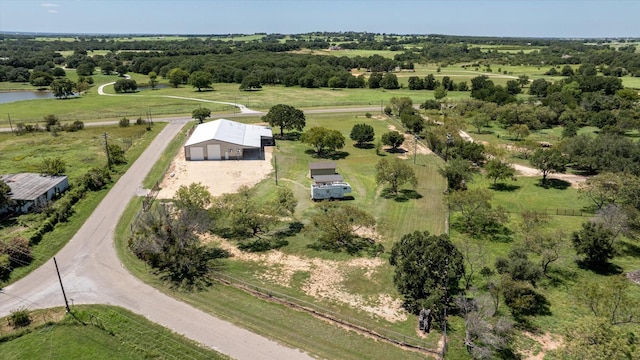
[(49, 5), (53, 11)]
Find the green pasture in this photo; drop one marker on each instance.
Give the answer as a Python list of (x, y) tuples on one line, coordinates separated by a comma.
[(565, 276), (81, 151), (97, 332)]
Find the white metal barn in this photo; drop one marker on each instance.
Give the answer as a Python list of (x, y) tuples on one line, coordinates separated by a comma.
[(227, 140), (30, 191)]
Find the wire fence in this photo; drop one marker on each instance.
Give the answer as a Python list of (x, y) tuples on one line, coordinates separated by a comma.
[(390, 336)]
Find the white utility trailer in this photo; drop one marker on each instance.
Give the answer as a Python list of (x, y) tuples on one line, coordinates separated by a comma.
[(334, 190)]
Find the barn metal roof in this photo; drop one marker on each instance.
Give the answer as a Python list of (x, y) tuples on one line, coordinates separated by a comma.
[(230, 132), (29, 186), (322, 165)]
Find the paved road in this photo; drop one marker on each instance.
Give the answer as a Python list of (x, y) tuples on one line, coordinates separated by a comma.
[(92, 274)]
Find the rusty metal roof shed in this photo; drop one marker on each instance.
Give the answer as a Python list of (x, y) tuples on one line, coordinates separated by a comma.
[(30, 186)]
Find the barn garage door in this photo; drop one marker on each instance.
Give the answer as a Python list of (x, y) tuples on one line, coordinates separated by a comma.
[(197, 152), (213, 152)]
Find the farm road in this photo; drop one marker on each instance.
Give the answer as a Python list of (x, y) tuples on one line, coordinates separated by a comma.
[(92, 274)]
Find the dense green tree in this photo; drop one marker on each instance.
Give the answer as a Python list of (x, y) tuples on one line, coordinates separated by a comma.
[(125, 85), (374, 80), (401, 105), (519, 131), (595, 242), (427, 271), (153, 80), (393, 139), (177, 76), (389, 81), (395, 173), (285, 117), (457, 173), (415, 83), (41, 78), (610, 300), (323, 139), (336, 227), (539, 87), (440, 92), (549, 161), (62, 88), (472, 205), (523, 80), (513, 87), (200, 80), (250, 82), (362, 133), (201, 114), (518, 266), (412, 121), (499, 170), (430, 82)]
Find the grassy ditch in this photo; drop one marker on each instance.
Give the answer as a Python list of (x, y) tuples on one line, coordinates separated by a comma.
[(96, 332)]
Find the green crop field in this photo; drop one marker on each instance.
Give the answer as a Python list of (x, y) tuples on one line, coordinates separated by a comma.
[(96, 332)]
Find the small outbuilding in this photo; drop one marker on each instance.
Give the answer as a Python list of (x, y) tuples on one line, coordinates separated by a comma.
[(322, 168), (228, 140), (327, 179), (30, 191)]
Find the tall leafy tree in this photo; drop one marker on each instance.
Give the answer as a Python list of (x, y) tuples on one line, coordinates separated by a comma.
[(395, 173), (595, 242), (499, 170), (200, 80), (62, 88), (427, 271), (549, 161), (177, 76), (201, 114), (322, 139), (285, 117), (393, 139), (362, 133)]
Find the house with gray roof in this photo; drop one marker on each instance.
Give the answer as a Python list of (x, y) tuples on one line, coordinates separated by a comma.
[(224, 139), (30, 191)]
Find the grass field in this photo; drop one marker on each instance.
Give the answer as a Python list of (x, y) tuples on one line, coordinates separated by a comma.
[(96, 332)]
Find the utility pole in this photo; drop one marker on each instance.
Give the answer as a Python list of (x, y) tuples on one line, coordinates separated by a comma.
[(106, 147), (66, 303), (11, 126), (275, 166), (415, 147)]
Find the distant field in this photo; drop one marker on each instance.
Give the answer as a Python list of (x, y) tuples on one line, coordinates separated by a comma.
[(506, 48)]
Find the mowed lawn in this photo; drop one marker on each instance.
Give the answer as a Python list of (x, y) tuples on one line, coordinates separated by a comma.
[(96, 332)]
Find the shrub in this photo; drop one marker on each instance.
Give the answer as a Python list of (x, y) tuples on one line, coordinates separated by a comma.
[(50, 121), (367, 115), (124, 122), (19, 318), (139, 121)]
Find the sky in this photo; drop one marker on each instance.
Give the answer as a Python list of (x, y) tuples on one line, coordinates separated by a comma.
[(508, 18)]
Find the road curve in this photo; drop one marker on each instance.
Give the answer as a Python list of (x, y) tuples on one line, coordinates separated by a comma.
[(93, 274)]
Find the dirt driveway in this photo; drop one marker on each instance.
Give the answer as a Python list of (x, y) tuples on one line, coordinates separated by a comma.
[(219, 176)]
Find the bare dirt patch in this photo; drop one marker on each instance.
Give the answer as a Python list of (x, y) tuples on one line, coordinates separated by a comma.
[(547, 342), (219, 176), (326, 278), (410, 146)]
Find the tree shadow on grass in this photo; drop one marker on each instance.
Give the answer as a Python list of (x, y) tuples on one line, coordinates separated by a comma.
[(364, 146), (395, 151), (293, 229), (504, 187), (403, 195), (554, 184), (629, 249), (602, 269), (290, 136), (331, 155)]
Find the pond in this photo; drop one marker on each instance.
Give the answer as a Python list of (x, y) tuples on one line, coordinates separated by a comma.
[(8, 97)]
